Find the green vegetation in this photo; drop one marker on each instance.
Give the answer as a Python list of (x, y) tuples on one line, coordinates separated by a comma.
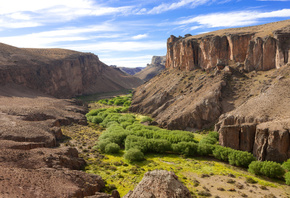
[(129, 149), (267, 168), (287, 178), (134, 155), (118, 101), (286, 165), (112, 148)]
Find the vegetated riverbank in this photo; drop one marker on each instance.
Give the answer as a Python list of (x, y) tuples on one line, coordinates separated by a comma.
[(202, 175)]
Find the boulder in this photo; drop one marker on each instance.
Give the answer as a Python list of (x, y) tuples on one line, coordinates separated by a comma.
[(159, 184)]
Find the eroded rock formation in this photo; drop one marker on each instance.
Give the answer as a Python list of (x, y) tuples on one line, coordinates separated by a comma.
[(252, 47), (60, 73), (237, 78), (159, 184), (157, 65)]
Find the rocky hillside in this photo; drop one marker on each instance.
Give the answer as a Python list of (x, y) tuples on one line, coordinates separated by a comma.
[(157, 65), (237, 79), (60, 73)]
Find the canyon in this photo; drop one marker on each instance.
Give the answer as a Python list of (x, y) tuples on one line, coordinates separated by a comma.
[(157, 65), (235, 81), (35, 85)]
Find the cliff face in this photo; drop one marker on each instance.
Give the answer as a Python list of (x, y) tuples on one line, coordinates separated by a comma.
[(157, 65), (232, 46), (60, 73), (235, 79)]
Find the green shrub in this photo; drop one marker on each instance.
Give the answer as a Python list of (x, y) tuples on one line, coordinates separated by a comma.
[(112, 148), (287, 178), (286, 165), (101, 144), (185, 148), (241, 158), (97, 119), (118, 102), (139, 143), (208, 140), (222, 153), (146, 119), (133, 155), (158, 146), (267, 168), (205, 149), (272, 169), (127, 104), (255, 167), (213, 134)]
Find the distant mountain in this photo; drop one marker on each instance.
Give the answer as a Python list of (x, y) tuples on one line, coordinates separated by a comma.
[(131, 71), (157, 65), (59, 72)]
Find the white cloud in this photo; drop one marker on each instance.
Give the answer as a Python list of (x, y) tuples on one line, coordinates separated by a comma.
[(50, 38), (140, 36), (31, 13), (233, 19), (167, 6)]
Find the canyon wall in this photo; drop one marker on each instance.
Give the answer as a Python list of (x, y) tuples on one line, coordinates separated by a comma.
[(60, 76), (205, 52), (235, 79)]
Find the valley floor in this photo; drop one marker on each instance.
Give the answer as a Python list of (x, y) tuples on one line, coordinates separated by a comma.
[(202, 176)]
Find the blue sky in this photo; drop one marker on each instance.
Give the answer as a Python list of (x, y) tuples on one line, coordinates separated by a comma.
[(126, 32)]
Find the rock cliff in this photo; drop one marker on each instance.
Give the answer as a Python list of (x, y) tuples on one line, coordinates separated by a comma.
[(60, 73), (237, 79), (254, 47), (157, 65)]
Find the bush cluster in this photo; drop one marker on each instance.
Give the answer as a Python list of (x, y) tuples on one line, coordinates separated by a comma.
[(133, 155), (118, 101), (287, 178), (207, 144), (234, 157), (286, 165), (267, 168)]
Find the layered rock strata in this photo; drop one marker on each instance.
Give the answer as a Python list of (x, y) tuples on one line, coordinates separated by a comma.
[(60, 73), (262, 124), (248, 46), (241, 74)]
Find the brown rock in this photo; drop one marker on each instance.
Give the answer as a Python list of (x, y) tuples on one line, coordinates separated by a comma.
[(158, 184), (232, 46), (61, 73)]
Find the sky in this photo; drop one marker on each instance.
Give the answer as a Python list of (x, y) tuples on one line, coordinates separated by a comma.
[(126, 32)]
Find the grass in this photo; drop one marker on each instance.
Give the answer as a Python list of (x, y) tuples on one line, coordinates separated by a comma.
[(124, 176)]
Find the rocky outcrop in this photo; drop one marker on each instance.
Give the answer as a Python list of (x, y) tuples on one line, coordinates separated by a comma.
[(262, 124), (159, 184), (178, 100), (63, 76), (260, 53), (157, 65)]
